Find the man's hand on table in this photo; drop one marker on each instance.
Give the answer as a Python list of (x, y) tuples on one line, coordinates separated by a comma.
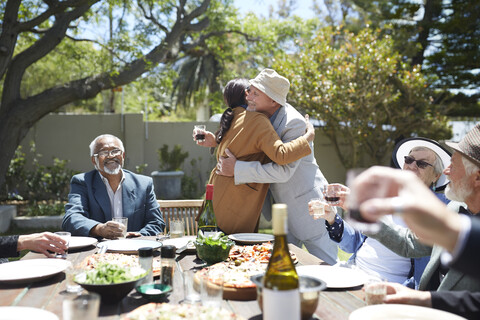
[(108, 230), (226, 165), (45, 242)]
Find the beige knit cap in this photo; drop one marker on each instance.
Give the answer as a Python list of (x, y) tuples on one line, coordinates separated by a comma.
[(272, 84)]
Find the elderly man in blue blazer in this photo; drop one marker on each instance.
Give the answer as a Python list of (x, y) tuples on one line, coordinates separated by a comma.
[(110, 191)]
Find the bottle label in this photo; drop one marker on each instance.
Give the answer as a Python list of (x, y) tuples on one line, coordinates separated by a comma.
[(281, 304)]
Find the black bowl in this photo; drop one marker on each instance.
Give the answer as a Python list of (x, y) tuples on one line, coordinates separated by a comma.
[(310, 289), (113, 292), (154, 292)]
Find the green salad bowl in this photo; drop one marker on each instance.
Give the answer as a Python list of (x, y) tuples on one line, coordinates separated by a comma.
[(112, 292)]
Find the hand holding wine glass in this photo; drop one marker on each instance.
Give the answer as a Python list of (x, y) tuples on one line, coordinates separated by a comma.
[(202, 137), (336, 194)]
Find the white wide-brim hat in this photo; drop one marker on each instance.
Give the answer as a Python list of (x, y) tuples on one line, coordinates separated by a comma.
[(404, 147), (272, 84)]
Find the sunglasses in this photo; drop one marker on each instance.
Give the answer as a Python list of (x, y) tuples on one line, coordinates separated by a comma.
[(420, 163)]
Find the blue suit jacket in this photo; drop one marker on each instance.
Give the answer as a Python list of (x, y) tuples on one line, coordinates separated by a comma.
[(88, 204)]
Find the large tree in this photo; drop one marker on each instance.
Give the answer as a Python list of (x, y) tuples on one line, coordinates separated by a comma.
[(364, 95), (146, 34)]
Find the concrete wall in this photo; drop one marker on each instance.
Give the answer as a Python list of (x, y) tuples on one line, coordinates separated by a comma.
[(68, 136)]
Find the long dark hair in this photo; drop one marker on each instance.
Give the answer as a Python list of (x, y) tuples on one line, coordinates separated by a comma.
[(233, 96)]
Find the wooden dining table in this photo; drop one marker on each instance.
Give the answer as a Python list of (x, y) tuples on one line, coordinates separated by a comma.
[(48, 294)]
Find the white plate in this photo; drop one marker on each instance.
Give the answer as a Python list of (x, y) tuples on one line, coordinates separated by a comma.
[(335, 277), (400, 312), (180, 242), (31, 270), (251, 238), (22, 313), (128, 245), (81, 242)]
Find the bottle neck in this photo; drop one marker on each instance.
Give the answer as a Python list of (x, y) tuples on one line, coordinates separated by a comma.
[(209, 192)]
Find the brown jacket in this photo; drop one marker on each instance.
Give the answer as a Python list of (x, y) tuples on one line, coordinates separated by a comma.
[(251, 137)]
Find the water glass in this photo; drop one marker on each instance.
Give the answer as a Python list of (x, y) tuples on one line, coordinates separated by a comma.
[(191, 289), (81, 306), (375, 291), (199, 132), (70, 273), (211, 291), (318, 208), (65, 236), (124, 224), (177, 229)]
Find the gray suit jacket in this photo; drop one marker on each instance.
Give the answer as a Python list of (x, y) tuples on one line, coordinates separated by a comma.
[(294, 184), (404, 242)]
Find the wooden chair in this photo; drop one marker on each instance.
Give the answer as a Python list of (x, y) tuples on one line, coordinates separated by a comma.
[(185, 210)]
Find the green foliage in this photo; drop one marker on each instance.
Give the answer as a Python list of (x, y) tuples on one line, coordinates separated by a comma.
[(43, 208), (140, 169), (366, 97), (171, 160), (39, 183)]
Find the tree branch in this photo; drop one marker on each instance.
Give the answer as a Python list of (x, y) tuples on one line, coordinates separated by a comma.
[(38, 50)]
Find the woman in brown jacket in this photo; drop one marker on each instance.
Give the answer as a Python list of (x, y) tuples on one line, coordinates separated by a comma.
[(250, 137)]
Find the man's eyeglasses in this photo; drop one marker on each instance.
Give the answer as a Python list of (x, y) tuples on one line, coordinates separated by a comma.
[(111, 153), (420, 163)]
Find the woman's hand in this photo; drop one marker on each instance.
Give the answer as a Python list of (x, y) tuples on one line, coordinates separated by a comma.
[(310, 130), (329, 213), (209, 140)]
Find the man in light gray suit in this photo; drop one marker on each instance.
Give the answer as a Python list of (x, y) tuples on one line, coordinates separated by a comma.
[(464, 191), (294, 184)]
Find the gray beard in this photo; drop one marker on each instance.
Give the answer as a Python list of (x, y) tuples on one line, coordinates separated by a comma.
[(107, 170), (460, 194)]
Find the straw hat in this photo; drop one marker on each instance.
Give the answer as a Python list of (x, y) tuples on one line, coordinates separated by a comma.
[(272, 84), (469, 146), (404, 147)]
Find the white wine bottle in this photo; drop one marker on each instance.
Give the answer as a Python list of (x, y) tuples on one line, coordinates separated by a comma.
[(281, 294), (207, 222)]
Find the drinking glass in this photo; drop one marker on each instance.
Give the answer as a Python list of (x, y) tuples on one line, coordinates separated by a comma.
[(332, 195), (190, 288), (199, 132), (318, 207), (375, 291), (81, 306), (65, 236), (124, 224), (177, 229), (211, 291), (374, 189), (70, 274)]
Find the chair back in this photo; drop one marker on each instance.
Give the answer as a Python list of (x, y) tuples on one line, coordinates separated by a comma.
[(185, 210)]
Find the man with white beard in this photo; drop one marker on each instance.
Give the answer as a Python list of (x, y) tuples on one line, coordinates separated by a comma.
[(109, 192), (463, 190)]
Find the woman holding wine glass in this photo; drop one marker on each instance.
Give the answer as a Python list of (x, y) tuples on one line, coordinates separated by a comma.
[(249, 136), (427, 159)]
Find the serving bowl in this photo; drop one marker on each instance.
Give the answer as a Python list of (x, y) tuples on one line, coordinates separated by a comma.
[(310, 289), (154, 292), (109, 293)]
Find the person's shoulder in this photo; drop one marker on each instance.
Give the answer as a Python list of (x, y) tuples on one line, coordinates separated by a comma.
[(136, 176), (255, 116), (84, 175)]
